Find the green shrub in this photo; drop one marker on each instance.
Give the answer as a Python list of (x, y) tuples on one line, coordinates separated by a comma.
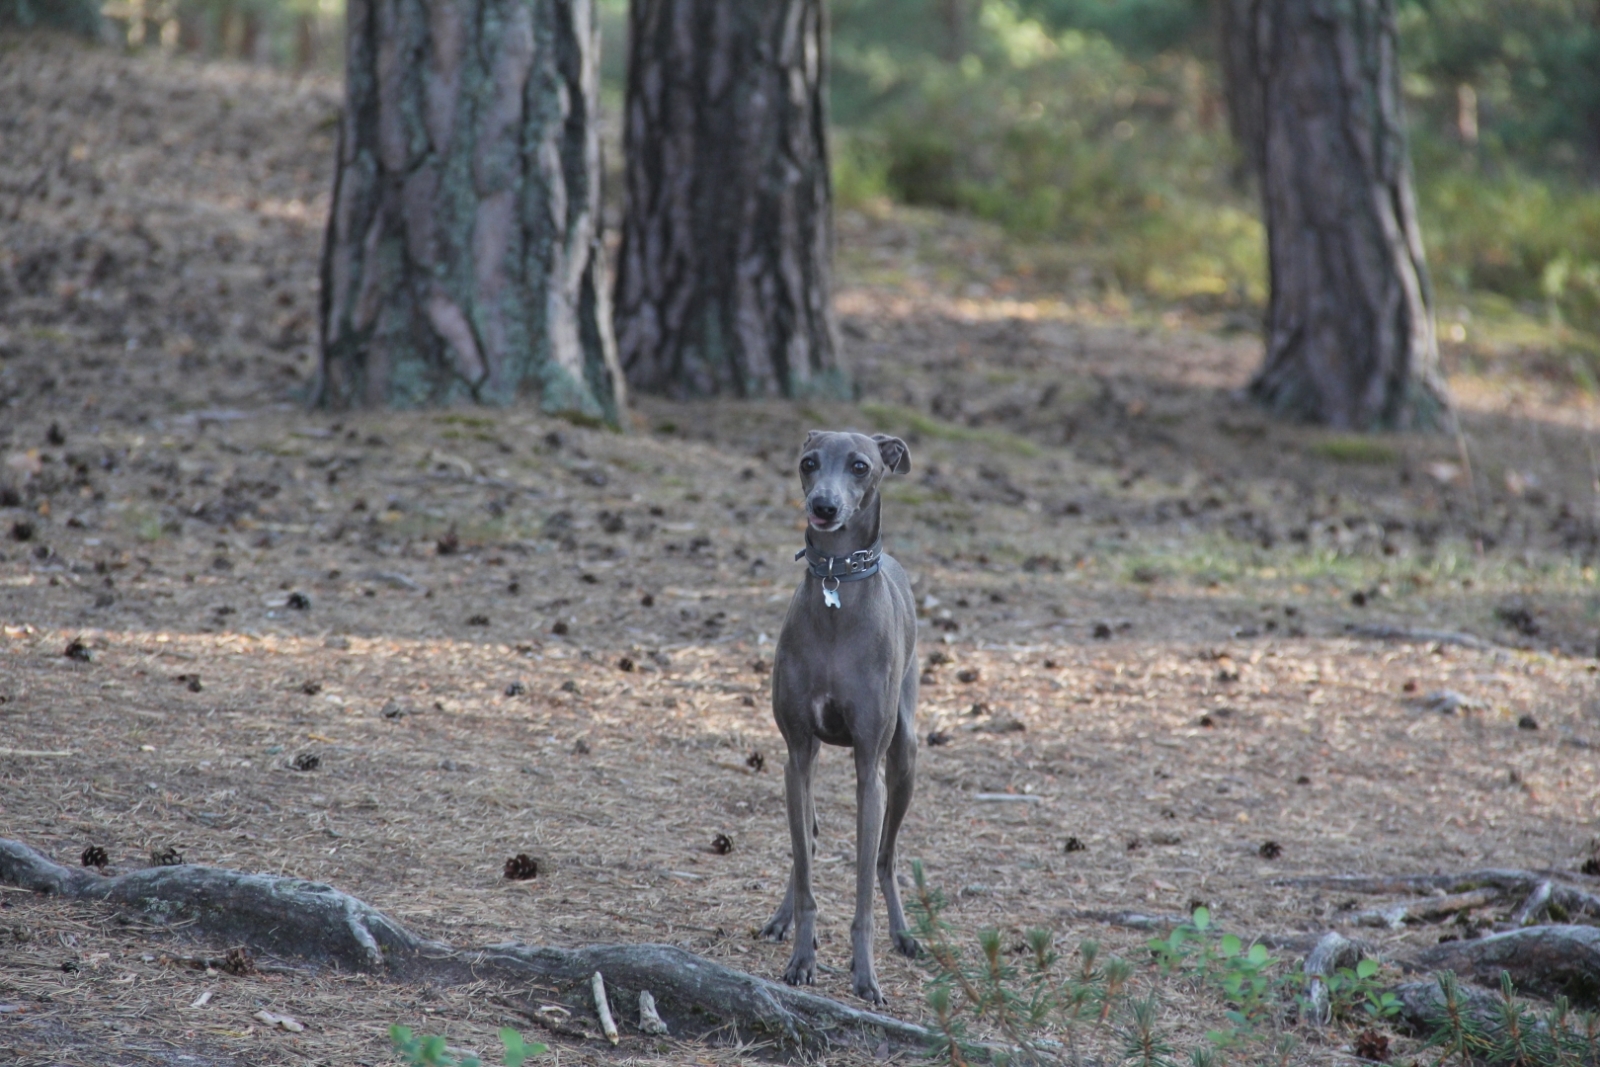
[(1043, 1008), (1057, 136), (1529, 239), (431, 1051)]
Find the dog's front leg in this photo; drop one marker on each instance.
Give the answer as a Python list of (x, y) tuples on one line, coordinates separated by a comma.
[(797, 774), (869, 830)]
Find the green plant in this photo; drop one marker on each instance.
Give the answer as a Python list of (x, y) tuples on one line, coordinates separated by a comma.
[(1021, 991), (1456, 1029), (1041, 1005), (1044, 1008), (1357, 989), (1243, 975), (1143, 1043), (1510, 1034), (431, 1051)]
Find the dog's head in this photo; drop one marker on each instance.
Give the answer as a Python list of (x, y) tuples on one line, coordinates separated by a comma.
[(840, 473)]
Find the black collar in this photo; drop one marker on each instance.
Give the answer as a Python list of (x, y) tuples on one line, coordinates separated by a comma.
[(851, 568)]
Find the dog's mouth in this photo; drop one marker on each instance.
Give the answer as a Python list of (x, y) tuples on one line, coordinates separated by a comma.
[(824, 525)]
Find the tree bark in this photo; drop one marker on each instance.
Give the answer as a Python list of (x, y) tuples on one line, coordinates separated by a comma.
[(1241, 89), (1349, 331), (724, 276), (463, 257)]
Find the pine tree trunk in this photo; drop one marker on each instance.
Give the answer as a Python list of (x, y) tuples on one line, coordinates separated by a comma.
[(1350, 332), (724, 277), (463, 257), (1241, 89)]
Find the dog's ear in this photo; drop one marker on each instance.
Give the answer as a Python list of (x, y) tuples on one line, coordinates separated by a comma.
[(896, 456), (811, 437)]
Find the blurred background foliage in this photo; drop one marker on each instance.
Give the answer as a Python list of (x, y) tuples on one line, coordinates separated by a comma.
[(1095, 130)]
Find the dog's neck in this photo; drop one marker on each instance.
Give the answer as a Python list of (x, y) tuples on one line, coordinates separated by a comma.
[(860, 533)]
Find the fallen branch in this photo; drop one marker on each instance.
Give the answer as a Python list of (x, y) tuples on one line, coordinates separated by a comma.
[(1429, 909), (1568, 897), (1547, 960), (1381, 632), (1131, 920), (292, 918)]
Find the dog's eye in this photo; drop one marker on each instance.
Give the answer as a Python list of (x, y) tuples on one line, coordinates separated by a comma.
[(860, 467), (808, 464)]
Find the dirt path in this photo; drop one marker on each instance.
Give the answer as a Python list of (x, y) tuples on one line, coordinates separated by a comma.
[(498, 634)]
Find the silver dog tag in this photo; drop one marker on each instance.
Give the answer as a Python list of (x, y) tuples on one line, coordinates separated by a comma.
[(830, 597)]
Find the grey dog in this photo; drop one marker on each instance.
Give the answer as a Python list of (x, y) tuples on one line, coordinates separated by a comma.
[(845, 673)]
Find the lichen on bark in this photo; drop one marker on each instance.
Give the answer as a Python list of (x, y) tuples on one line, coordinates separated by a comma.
[(463, 257)]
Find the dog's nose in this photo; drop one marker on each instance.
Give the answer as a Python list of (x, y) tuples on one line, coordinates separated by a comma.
[(825, 511)]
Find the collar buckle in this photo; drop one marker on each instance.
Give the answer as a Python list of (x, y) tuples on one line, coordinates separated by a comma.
[(860, 560)]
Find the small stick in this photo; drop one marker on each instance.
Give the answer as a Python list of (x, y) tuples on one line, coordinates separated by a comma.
[(1537, 904), (607, 1023), (650, 1019)]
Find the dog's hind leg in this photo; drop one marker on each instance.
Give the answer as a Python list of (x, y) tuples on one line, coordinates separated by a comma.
[(900, 770)]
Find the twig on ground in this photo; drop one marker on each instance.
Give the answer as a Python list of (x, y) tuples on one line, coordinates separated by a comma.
[(1132, 920), (1386, 632), (650, 1019), (608, 1025), (1535, 907)]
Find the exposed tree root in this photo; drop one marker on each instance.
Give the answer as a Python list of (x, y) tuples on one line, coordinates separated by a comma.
[(292, 918), (1379, 632), (284, 916), (1541, 959), (1429, 909), (1422, 1005), (1567, 897), (1331, 953)]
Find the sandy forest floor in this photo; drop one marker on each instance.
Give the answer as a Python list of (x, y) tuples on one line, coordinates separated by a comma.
[(501, 633)]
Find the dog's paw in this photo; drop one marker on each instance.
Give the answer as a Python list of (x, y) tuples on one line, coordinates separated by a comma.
[(776, 930), (905, 944), (802, 970), (866, 987)]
